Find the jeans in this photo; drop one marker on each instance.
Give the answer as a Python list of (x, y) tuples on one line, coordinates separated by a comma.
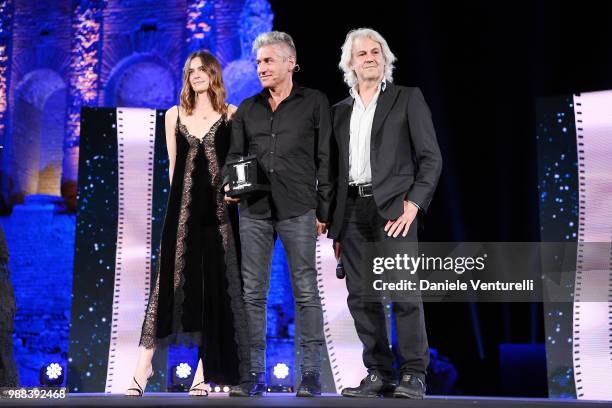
[(299, 238)]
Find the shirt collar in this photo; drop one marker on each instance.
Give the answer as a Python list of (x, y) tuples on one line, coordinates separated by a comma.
[(295, 90), (381, 87)]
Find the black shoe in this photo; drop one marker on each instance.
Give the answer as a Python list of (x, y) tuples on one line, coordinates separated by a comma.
[(256, 386), (410, 386), (310, 386), (240, 390), (372, 386)]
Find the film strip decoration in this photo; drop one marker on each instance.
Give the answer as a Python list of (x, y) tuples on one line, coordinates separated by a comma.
[(592, 323), (558, 207), (343, 346), (94, 252), (136, 145), (96, 323)]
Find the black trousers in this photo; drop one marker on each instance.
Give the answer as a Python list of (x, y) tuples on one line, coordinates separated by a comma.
[(363, 224)]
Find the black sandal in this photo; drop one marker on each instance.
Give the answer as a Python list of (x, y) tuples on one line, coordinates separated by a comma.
[(139, 390), (194, 388)]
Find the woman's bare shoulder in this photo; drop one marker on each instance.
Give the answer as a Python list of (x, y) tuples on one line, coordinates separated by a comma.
[(171, 115)]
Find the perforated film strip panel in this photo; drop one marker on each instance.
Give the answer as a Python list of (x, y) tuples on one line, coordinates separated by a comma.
[(592, 320), (136, 142), (343, 345)]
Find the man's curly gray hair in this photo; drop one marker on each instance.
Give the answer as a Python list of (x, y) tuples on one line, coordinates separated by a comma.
[(347, 53)]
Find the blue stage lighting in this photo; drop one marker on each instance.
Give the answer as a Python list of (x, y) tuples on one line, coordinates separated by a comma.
[(281, 371), (52, 375), (280, 378), (181, 377), (183, 370)]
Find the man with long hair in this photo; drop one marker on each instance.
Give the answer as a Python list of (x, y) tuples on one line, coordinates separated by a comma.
[(389, 165)]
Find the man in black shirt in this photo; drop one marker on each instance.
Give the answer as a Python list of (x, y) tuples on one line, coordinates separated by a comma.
[(288, 129)]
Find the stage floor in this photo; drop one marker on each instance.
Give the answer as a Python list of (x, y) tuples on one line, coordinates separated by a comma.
[(282, 400)]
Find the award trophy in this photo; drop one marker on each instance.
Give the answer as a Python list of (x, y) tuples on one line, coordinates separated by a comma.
[(245, 177)]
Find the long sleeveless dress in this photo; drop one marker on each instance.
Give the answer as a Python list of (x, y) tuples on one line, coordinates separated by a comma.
[(197, 295)]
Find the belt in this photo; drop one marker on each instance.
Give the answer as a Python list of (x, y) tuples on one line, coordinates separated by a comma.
[(360, 190)]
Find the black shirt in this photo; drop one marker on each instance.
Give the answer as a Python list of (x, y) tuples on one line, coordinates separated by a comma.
[(292, 145)]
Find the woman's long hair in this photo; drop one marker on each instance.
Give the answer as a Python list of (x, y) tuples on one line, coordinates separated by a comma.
[(216, 89)]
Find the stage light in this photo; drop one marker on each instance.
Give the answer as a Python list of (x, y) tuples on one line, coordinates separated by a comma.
[(280, 378), (181, 377), (183, 370), (52, 375), (281, 371), (54, 371)]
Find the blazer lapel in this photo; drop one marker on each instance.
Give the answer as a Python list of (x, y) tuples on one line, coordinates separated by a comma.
[(344, 129), (386, 99)]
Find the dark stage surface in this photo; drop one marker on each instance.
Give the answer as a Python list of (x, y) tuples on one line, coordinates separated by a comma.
[(281, 400)]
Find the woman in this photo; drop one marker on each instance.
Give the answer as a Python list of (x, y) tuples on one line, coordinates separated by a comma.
[(197, 293)]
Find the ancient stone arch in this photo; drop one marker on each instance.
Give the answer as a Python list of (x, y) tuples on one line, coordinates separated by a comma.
[(35, 148), (141, 80)]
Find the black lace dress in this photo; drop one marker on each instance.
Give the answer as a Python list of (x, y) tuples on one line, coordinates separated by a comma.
[(198, 289)]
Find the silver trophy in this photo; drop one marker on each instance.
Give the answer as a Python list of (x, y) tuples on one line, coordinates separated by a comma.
[(245, 177), (242, 176)]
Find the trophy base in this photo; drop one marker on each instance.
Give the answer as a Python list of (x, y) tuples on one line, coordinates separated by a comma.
[(246, 190)]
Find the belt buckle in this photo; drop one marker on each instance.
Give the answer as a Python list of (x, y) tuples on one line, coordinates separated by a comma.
[(361, 189)]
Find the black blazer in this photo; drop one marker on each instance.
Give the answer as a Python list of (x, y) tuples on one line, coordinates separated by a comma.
[(404, 154)]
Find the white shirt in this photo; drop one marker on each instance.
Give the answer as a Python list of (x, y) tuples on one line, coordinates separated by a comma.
[(362, 117)]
